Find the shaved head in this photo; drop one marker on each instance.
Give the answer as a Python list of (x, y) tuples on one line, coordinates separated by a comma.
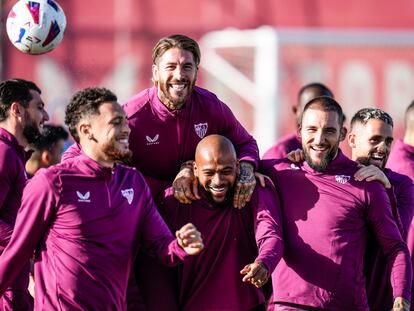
[(216, 167), (215, 146)]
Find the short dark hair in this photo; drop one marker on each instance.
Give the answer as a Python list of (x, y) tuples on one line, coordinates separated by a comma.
[(325, 103), (85, 103), (365, 114), (176, 41), (15, 90), (324, 90), (51, 134)]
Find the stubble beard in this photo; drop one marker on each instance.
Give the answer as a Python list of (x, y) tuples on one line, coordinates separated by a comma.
[(31, 133), (174, 103), (321, 167), (117, 155)]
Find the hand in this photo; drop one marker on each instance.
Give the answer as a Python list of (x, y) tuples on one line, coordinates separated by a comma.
[(372, 172), (296, 156), (262, 179), (189, 238), (255, 273), (401, 304), (245, 185), (185, 185)]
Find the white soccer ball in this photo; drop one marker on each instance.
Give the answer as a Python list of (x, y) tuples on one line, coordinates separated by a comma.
[(36, 26)]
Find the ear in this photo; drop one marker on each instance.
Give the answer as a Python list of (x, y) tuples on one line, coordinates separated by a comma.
[(298, 130), (84, 130), (195, 170), (351, 140), (155, 74), (238, 168), (343, 133), (16, 110), (45, 158)]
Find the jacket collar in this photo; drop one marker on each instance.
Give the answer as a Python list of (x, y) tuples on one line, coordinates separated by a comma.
[(11, 140)]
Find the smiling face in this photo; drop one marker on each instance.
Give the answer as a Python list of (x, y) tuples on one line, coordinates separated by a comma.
[(34, 117), (371, 142), (108, 134), (216, 168), (321, 134), (175, 75)]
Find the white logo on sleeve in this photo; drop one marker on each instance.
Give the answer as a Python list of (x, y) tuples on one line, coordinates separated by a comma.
[(152, 141), (128, 194), (201, 129), (342, 179), (83, 197)]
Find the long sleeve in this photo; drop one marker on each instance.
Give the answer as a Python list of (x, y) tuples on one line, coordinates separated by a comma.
[(32, 220), (157, 239), (7, 170), (380, 218), (268, 228)]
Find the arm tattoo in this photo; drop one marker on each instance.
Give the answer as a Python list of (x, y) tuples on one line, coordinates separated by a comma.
[(246, 173)]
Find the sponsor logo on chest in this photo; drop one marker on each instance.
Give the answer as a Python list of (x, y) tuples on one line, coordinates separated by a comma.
[(342, 179), (86, 197), (152, 140), (201, 129)]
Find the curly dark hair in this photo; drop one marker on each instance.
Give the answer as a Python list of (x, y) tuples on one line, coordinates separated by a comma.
[(85, 103), (15, 90)]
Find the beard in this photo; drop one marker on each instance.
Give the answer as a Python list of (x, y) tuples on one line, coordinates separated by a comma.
[(117, 155), (228, 198), (321, 167), (31, 133), (171, 102), (367, 161)]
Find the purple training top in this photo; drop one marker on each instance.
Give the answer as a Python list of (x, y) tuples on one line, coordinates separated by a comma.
[(283, 146), (12, 181), (85, 222), (401, 195), (326, 220), (161, 140), (157, 132), (233, 238), (401, 159)]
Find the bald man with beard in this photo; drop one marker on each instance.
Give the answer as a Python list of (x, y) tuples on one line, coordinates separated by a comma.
[(242, 246)]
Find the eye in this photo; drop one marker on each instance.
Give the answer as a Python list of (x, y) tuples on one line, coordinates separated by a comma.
[(227, 172)]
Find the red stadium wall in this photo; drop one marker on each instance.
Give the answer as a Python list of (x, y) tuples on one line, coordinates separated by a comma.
[(102, 33)]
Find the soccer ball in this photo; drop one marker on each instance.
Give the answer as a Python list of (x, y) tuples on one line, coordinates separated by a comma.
[(37, 26)]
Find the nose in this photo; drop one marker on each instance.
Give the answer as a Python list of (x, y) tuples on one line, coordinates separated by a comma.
[(126, 128), (217, 179), (45, 116), (319, 137), (178, 73), (382, 147)]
